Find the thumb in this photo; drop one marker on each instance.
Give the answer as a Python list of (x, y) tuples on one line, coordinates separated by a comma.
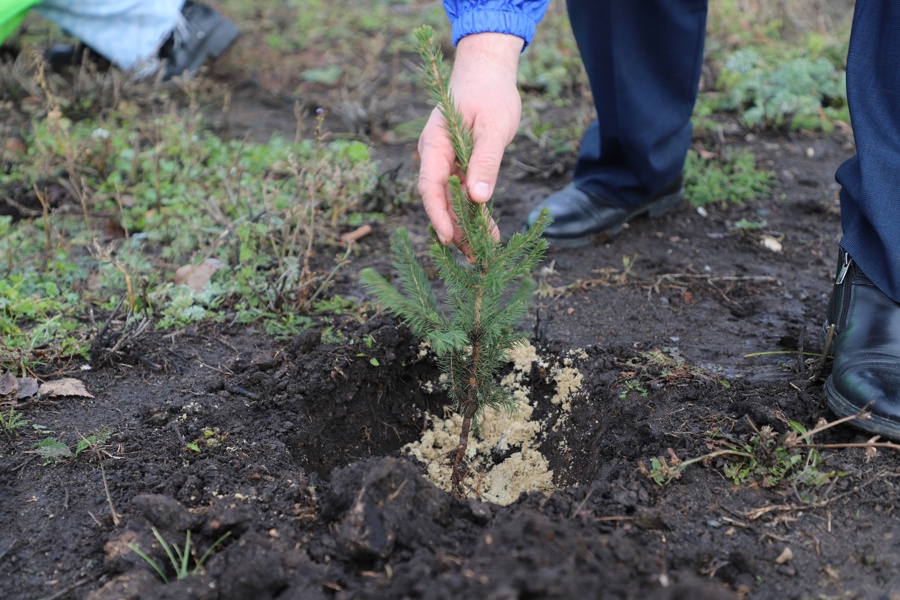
[(481, 177)]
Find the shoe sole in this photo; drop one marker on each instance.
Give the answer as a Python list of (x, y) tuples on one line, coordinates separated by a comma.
[(657, 208), (842, 407)]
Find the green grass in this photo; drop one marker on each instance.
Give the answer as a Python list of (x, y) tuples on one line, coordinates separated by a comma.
[(180, 559), (128, 182), (163, 193), (730, 178)]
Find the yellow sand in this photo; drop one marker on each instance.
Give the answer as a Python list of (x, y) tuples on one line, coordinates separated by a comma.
[(523, 471)]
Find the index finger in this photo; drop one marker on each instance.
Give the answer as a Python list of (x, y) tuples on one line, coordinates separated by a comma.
[(438, 161)]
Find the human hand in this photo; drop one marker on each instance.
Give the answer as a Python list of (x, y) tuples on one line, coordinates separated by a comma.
[(483, 83)]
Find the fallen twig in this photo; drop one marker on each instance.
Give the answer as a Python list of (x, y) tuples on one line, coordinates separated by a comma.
[(149, 363), (776, 352), (357, 234), (758, 512), (816, 373), (236, 389), (861, 415), (870, 444), (710, 279), (66, 590), (116, 517), (582, 503)]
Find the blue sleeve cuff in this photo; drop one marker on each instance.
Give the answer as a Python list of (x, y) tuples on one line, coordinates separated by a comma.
[(494, 21)]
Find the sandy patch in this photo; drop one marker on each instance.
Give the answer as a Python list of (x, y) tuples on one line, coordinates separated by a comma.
[(512, 435)]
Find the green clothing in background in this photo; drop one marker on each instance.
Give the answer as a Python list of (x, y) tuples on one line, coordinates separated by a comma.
[(12, 13)]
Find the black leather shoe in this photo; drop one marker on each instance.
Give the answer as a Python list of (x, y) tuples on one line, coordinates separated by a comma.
[(203, 34), (866, 350), (578, 215)]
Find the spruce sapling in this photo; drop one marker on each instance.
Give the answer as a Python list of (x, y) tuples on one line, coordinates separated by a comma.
[(487, 295)]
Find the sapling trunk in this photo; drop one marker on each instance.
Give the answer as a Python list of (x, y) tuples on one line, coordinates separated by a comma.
[(487, 294), (470, 406)]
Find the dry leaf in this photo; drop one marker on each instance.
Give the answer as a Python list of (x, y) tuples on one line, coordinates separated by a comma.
[(8, 384), (112, 230), (28, 386), (121, 546), (197, 276), (65, 387), (16, 146)]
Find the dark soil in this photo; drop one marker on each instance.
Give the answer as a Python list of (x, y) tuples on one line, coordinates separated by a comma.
[(295, 448)]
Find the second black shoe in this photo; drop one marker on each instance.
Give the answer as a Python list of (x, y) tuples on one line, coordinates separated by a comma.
[(202, 34), (866, 349), (579, 216)]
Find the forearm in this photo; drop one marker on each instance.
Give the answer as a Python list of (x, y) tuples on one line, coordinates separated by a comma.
[(486, 55)]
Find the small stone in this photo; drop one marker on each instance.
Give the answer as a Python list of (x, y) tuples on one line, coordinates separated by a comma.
[(481, 513), (770, 243), (786, 555)]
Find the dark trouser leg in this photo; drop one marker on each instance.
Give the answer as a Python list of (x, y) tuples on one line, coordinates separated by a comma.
[(865, 305), (643, 59), (870, 195)]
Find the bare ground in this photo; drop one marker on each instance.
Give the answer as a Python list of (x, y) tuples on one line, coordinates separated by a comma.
[(301, 443)]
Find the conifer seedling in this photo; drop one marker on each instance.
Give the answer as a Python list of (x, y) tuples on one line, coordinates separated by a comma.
[(486, 295)]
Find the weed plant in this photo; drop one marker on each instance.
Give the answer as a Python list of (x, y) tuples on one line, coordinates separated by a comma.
[(799, 93), (731, 178), (488, 294), (52, 451), (179, 558), (143, 197), (766, 459), (12, 421), (93, 441)]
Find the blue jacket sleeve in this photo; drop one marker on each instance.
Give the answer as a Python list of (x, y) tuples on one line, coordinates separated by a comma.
[(515, 17)]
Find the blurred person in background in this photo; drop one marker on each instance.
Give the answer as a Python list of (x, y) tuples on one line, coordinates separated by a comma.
[(138, 36)]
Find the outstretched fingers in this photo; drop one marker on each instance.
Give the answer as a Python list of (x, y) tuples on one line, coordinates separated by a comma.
[(438, 162)]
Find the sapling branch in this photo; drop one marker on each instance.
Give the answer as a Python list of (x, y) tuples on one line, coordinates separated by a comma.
[(487, 294)]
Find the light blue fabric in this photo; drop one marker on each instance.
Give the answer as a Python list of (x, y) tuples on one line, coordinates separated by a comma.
[(515, 17), (128, 33)]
